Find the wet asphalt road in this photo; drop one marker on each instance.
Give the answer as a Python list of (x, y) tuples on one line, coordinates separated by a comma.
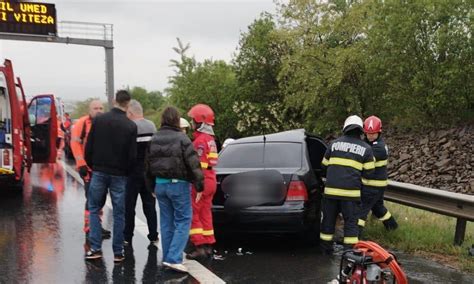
[(41, 241)]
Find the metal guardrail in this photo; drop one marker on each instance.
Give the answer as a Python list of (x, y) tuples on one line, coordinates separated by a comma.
[(460, 206)]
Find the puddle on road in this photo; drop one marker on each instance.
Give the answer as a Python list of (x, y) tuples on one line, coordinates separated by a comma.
[(256, 259)]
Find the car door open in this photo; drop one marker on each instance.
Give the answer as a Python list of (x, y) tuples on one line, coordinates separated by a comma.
[(44, 128)]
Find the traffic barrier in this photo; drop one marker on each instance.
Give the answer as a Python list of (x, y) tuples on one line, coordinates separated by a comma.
[(460, 206)]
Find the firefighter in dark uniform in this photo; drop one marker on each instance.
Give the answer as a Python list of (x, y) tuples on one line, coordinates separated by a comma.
[(346, 162), (374, 187)]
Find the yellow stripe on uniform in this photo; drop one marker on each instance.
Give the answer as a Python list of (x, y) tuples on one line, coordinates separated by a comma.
[(208, 232), (325, 162), (386, 216), (345, 162), (361, 223), (204, 165), (325, 237), (196, 231), (351, 240), (6, 171), (212, 155), (369, 165), (374, 182), (381, 163), (342, 192)]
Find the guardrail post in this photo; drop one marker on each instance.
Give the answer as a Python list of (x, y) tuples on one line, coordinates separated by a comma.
[(460, 231)]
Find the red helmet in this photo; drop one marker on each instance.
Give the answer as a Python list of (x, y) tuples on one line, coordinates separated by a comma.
[(202, 113), (372, 125)]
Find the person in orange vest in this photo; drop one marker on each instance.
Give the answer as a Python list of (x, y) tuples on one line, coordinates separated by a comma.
[(202, 230), (80, 131)]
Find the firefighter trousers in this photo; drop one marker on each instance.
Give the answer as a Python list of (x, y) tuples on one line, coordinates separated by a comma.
[(349, 209), (86, 228), (202, 229), (372, 199)]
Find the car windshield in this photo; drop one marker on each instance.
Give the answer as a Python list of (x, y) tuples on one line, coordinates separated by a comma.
[(251, 155)]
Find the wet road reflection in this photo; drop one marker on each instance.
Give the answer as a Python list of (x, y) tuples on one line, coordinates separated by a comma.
[(41, 238), (41, 241)]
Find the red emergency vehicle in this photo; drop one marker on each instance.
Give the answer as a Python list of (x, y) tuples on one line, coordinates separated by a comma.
[(28, 134)]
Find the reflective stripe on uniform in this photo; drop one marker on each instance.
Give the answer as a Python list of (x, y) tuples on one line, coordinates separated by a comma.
[(204, 165), (325, 237), (345, 162), (361, 223), (381, 163), (76, 139), (212, 155), (325, 162), (374, 182), (144, 139), (369, 165), (208, 232), (386, 216), (197, 231), (351, 240), (342, 192), (6, 171)]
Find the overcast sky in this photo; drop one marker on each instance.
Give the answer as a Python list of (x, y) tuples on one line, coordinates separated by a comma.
[(144, 34)]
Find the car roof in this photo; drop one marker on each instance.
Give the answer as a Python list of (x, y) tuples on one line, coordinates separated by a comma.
[(292, 136)]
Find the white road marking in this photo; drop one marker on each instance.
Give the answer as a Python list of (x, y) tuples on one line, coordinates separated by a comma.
[(196, 270)]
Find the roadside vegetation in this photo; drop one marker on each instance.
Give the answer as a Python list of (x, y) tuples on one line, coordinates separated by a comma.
[(312, 63), (426, 234)]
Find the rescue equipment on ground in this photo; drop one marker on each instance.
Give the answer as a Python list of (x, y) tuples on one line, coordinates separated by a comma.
[(368, 262)]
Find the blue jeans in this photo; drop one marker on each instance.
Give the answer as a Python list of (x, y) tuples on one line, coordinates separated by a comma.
[(100, 184), (174, 200)]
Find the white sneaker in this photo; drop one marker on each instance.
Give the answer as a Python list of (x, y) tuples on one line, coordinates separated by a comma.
[(176, 267), (155, 243)]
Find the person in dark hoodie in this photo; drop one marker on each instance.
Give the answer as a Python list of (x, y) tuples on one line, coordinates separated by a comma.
[(174, 164), (111, 152), (346, 162)]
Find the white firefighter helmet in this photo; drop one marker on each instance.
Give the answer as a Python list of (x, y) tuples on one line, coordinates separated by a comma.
[(353, 122), (227, 142), (183, 123)]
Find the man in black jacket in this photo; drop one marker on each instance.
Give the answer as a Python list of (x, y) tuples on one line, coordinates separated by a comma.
[(111, 152)]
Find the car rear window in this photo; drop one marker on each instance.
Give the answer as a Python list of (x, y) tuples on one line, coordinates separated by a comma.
[(251, 155)]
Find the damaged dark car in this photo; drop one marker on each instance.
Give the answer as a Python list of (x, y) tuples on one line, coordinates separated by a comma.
[(271, 184)]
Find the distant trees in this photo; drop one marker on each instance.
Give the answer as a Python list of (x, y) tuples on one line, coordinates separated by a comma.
[(315, 62)]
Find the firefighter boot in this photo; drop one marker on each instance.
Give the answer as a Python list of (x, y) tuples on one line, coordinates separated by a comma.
[(326, 247), (198, 253), (390, 224), (209, 250)]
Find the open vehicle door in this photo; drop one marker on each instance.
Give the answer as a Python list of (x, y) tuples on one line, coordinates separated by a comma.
[(44, 128), (26, 123)]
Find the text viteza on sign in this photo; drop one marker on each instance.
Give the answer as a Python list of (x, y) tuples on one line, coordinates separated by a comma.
[(33, 13)]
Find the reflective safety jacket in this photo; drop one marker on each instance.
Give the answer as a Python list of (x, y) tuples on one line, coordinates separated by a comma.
[(80, 131), (206, 148), (347, 161), (379, 178)]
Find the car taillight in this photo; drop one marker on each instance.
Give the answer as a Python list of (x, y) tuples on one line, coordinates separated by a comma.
[(6, 158), (297, 191)]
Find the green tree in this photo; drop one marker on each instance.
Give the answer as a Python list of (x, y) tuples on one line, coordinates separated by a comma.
[(260, 106), (210, 82), (152, 102)]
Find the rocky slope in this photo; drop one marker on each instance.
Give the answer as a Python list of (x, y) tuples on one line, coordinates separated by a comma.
[(441, 159)]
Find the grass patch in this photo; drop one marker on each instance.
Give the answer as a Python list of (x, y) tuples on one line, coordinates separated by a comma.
[(424, 233)]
